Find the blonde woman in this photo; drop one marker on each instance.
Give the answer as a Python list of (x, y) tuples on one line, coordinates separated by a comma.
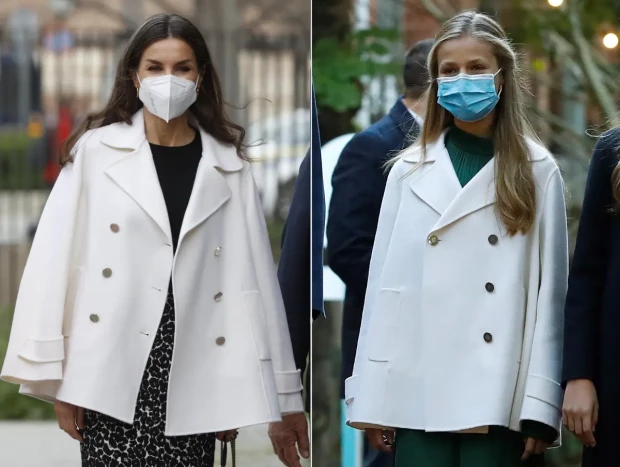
[(459, 355)]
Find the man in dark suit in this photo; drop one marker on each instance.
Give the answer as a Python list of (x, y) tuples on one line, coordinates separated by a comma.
[(301, 262), (358, 184)]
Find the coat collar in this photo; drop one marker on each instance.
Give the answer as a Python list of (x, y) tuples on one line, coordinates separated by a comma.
[(438, 186), (135, 173), (413, 154), (130, 136), (402, 118)]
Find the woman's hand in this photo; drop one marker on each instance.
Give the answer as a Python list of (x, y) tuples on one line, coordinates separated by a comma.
[(70, 418), (381, 440), (580, 410), (533, 446)]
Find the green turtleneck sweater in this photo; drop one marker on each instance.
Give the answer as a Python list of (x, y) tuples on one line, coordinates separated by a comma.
[(469, 154)]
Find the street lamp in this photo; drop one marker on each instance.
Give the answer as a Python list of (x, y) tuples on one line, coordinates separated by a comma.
[(611, 40), (556, 3)]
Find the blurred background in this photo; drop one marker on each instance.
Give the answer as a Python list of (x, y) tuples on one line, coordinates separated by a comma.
[(569, 49), (57, 63)]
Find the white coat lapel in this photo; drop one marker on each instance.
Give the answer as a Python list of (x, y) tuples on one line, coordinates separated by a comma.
[(135, 172), (477, 194), (437, 185), (210, 191)]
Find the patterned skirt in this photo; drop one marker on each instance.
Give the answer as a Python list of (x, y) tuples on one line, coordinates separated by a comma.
[(111, 443)]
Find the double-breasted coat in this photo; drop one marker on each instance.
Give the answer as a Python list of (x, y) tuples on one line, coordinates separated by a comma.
[(462, 323), (96, 281)]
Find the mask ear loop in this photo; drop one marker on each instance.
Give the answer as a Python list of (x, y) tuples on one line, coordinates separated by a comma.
[(501, 87), (137, 88)]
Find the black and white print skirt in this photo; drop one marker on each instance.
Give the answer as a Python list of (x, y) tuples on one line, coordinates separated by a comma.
[(111, 443)]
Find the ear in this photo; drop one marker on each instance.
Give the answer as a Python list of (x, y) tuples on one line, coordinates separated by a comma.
[(202, 76), (134, 77)]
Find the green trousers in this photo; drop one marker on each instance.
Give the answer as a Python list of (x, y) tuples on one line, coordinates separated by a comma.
[(500, 447)]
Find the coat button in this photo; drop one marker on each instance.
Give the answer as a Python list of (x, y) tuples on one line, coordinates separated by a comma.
[(107, 272), (433, 240), (493, 239), (94, 318), (487, 337), (220, 340), (114, 228), (218, 251), (218, 296), (490, 287)]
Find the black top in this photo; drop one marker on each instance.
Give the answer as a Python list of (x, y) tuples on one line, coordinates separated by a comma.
[(176, 169)]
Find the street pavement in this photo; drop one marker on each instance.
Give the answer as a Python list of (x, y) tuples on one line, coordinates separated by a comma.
[(43, 444)]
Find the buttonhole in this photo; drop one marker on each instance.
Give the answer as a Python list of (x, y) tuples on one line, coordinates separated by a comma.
[(145, 333), (159, 290)]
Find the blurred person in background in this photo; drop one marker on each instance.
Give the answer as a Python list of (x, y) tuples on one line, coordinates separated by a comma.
[(300, 286), (149, 311), (358, 184), (460, 352), (591, 343)]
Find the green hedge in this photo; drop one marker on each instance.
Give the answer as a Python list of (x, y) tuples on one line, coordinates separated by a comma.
[(14, 406), (17, 172)]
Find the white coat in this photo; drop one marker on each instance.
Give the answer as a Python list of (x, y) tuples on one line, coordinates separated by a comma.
[(96, 281), (463, 324)]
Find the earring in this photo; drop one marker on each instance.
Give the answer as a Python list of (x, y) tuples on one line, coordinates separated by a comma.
[(137, 91)]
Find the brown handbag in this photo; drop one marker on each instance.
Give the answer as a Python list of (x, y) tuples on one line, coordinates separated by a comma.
[(230, 438)]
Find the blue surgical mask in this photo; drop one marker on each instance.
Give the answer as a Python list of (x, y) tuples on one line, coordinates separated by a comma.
[(468, 97)]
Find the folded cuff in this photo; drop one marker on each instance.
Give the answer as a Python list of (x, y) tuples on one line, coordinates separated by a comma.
[(43, 350), (20, 371), (290, 403), (350, 388), (288, 382), (543, 402)]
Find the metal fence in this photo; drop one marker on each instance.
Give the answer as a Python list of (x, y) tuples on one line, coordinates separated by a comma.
[(44, 95)]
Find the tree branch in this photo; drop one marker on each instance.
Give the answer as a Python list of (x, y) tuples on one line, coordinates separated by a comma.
[(435, 10), (590, 67)]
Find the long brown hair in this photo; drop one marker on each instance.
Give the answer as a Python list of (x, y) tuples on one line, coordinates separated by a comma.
[(514, 177), (123, 103)]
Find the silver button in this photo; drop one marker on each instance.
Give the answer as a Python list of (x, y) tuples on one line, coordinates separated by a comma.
[(218, 251), (433, 240), (107, 272), (218, 296), (94, 318), (220, 340)]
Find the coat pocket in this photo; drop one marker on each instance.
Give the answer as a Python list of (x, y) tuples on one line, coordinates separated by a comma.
[(258, 323), (383, 325)]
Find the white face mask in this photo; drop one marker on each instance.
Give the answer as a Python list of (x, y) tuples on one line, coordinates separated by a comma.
[(167, 96)]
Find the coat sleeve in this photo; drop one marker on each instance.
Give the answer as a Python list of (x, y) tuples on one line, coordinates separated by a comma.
[(287, 376), (543, 393), (385, 227), (294, 267), (586, 282), (36, 348)]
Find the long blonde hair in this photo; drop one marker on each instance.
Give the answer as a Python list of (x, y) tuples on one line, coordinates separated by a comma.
[(514, 178)]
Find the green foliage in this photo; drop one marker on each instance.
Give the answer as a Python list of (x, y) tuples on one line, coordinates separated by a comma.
[(14, 406), (529, 21), (338, 66), (16, 173)]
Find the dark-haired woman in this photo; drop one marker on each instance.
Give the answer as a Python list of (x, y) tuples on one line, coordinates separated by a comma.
[(592, 314), (149, 310)]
